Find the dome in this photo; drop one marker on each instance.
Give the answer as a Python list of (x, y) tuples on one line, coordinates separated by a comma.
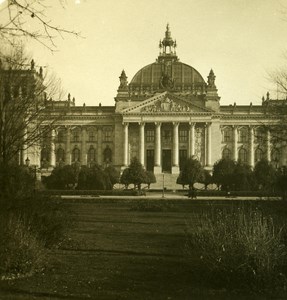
[(167, 73), (173, 76)]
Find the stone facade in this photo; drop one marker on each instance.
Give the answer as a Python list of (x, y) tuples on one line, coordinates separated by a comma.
[(164, 115)]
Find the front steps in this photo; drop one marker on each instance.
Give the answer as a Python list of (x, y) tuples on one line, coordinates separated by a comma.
[(166, 180)]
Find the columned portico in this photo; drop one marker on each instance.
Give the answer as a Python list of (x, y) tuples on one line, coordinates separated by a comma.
[(251, 146), (157, 167), (142, 143), (175, 165), (126, 144)]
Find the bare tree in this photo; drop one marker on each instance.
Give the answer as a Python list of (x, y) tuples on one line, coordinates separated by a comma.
[(28, 18), (25, 118)]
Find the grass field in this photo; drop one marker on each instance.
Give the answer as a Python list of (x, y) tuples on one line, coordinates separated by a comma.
[(128, 250)]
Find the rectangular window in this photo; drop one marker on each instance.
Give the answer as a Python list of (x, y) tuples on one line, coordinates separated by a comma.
[(150, 136), (92, 136), (107, 135), (167, 135), (76, 136), (183, 136), (61, 136), (227, 135)]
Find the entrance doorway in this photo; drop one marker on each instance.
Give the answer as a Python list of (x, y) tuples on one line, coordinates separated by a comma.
[(150, 160), (166, 161)]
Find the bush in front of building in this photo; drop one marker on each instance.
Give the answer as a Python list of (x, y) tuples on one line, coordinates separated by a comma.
[(62, 177), (134, 174), (149, 178), (94, 178), (16, 181), (223, 173), (191, 173), (265, 175)]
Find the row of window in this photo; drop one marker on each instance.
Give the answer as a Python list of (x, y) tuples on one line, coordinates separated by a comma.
[(76, 155), (259, 154), (75, 136), (167, 136), (243, 135)]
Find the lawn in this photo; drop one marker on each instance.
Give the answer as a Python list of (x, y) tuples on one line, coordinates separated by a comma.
[(129, 250)]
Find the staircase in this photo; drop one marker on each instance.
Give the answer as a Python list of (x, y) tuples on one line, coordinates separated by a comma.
[(165, 180)]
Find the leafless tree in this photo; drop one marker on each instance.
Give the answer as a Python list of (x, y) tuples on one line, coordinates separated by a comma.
[(25, 117), (28, 18)]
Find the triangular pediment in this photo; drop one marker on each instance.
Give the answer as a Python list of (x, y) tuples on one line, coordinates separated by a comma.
[(165, 103)]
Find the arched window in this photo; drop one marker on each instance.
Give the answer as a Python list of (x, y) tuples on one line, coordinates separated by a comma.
[(259, 155), (243, 135), (226, 153), (76, 154), (91, 154), (242, 155), (275, 157), (60, 155), (107, 155)]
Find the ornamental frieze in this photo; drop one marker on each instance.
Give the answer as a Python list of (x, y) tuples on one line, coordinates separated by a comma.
[(166, 105)]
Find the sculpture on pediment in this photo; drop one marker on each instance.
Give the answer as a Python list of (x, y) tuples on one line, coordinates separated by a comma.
[(166, 105)]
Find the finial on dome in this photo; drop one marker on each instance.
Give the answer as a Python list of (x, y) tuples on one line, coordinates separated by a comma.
[(168, 42)]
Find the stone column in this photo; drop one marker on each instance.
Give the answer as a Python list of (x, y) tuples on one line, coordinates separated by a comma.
[(52, 154), (235, 138), (251, 146), (99, 145), (208, 141), (157, 167), (68, 159), (175, 165), (126, 144), (268, 146), (191, 139), (83, 146), (142, 143)]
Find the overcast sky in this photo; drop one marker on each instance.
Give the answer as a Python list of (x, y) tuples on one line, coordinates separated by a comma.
[(241, 40)]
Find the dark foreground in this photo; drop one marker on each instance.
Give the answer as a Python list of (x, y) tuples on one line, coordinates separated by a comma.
[(126, 250)]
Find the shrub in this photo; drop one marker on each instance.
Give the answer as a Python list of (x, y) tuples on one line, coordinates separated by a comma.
[(16, 181), (21, 252), (241, 248)]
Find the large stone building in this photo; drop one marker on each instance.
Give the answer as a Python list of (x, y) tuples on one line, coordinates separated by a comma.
[(166, 113)]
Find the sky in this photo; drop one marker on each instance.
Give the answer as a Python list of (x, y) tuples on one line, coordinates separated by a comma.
[(241, 40)]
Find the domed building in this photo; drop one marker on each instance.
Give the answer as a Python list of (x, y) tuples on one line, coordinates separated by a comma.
[(166, 113)]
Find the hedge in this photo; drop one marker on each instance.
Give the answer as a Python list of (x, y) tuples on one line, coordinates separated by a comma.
[(91, 192)]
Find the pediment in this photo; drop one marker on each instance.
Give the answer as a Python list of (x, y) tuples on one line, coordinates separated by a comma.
[(165, 103)]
